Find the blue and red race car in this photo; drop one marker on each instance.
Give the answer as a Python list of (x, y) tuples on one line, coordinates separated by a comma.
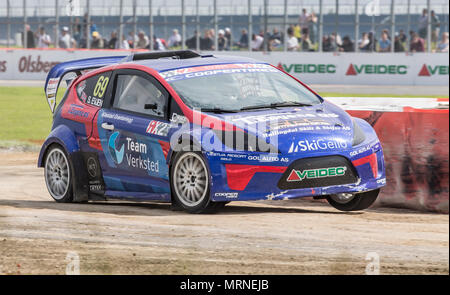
[(200, 131)]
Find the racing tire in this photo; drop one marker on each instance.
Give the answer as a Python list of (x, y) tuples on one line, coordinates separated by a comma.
[(359, 201), (58, 174), (190, 183)]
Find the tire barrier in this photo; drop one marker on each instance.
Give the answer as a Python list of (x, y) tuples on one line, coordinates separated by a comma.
[(415, 139)]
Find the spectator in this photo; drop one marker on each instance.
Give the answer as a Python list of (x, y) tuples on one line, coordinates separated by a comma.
[(306, 43), (337, 39), (159, 43), (275, 40), (221, 40), (329, 43), (124, 44), (364, 42), (385, 43), (402, 36), (175, 39), (297, 31), (229, 38), (372, 43), (398, 44), (423, 21), (191, 43), (312, 27), (97, 41), (207, 42), (65, 40), (243, 41), (292, 41), (43, 39), (132, 39), (257, 42), (30, 37), (347, 45), (303, 19), (417, 44), (113, 43), (143, 41), (443, 45), (435, 27)]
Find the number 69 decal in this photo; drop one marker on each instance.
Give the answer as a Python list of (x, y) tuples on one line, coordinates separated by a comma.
[(100, 87)]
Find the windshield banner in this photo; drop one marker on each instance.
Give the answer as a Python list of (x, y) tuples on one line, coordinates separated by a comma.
[(202, 71)]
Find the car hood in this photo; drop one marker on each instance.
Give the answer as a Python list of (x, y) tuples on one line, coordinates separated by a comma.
[(320, 128)]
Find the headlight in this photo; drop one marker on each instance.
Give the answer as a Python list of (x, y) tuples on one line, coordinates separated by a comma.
[(243, 141), (358, 134)]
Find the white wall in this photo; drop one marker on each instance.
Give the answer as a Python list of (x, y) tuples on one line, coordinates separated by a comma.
[(310, 67)]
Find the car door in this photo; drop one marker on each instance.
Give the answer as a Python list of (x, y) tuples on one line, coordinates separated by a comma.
[(134, 133)]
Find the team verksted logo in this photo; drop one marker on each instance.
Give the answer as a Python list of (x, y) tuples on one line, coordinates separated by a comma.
[(116, 154)]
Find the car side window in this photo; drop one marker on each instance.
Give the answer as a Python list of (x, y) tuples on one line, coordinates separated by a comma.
[(140, 95), (92, 90)]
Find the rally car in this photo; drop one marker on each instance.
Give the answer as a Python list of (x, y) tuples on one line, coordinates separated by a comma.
[(200, 131)]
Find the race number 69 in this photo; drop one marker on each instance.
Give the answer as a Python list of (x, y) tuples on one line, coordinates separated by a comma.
[(100, 87)]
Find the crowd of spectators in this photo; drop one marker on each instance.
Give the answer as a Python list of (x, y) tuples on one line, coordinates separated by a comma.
[(301, 36)]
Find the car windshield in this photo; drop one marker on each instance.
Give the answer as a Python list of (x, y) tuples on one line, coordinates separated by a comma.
[(234, 87)]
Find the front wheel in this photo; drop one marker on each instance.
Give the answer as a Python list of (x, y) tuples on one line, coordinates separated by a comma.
[(58, 176), (353, 202), (190, 183)]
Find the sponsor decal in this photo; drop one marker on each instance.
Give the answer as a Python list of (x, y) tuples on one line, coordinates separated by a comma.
[(316, 145), (354, 70), (178, 119), (77, 111), (297, 175), (308, 68), (26, 64), (133, 151), (296, 123), (52, 87), (227, 195), (116, 153), (158, 128), (118, 117), (92, 167), (2, 66), (428, 71), (281, 116), (210, 70)]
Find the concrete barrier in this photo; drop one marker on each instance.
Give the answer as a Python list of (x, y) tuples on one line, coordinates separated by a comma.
[(415, 139)]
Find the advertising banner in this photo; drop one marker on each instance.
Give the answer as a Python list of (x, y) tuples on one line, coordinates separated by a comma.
[(310, 67)]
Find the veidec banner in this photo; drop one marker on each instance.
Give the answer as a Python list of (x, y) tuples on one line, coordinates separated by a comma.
[(310, 67), (416, 150)]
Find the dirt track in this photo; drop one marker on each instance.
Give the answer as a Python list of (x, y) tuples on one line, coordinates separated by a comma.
[(284, 237)]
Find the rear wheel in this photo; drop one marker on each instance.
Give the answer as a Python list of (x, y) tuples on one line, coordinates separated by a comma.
[(190, 183), (353, 202), (58, 176)]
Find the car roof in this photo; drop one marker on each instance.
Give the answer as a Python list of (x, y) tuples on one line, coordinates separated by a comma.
[(165, 64)]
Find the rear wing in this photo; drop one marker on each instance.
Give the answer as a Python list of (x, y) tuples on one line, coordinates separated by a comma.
[(75, 66)]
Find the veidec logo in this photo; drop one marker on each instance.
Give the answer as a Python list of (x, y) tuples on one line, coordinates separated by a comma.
[(26, 64), (427, 71), (354, 70), (308, 68)]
